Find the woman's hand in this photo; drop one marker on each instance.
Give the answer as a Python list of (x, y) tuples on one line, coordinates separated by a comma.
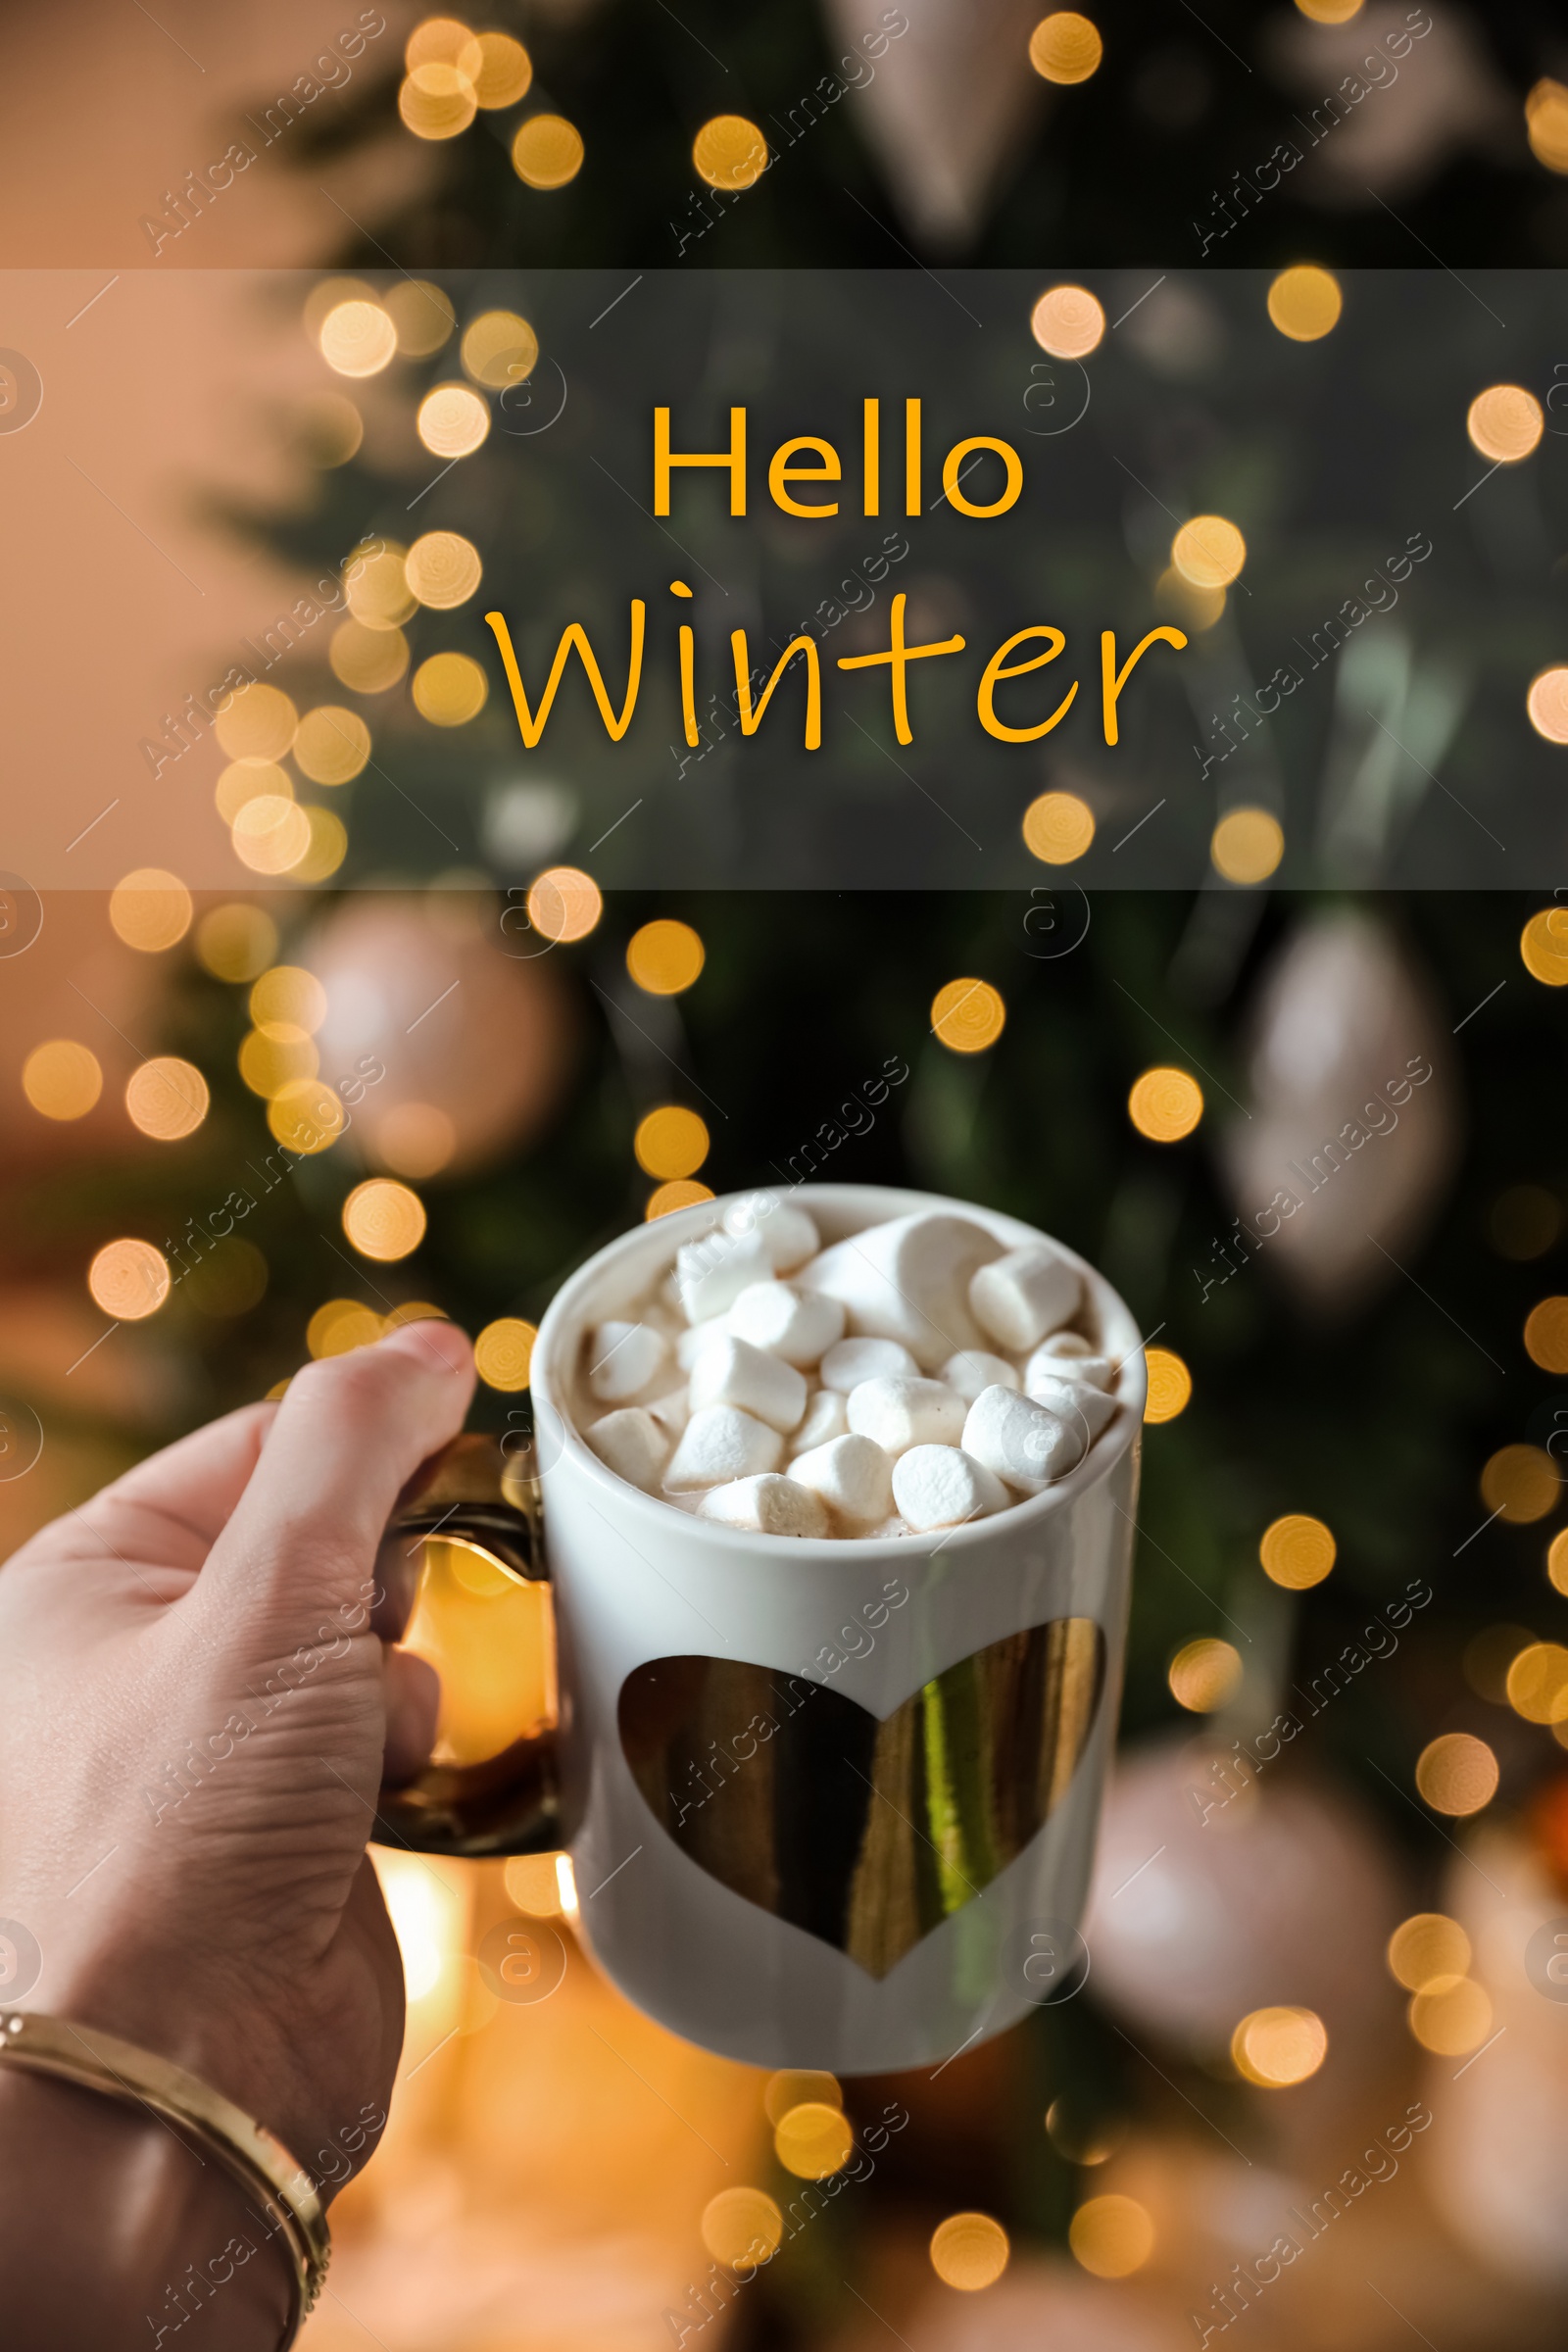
[(193, 1714)]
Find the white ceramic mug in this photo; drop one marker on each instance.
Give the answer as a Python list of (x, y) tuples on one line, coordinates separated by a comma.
[(830, 1803)]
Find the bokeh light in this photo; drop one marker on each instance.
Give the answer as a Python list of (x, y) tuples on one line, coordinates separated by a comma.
[(664, 958), (306, 1116), (546, 152), (1557, 1562), (1170, 1385), (1247, 845), (1297, 1551), (328, 430), (414, 1139), (1304, 303), (730, 153), (1543, 948), (813, 2140), (793, 2086), (376, 587), (505, 70), (1427, 1946), (742, 2227), (1537, 1684), (1546, 1335), (503, 1353), (236, 942), (453, 421), (1204, 1674), (150, 910), (269, 1063), (1546, 704), (422, 315), (967, 1015), (683, 1192), (1067, 322), (1520, 1484), (257, 722), (1065, 47), (1450, 2016), (1457, 1774), (333, 745), (1210, 550), (969, 2251), (271, 835), (438, 101), (533, 1883), (443, 41), (671, 1140), (1546, 124), (289, 1002), (341, 1326), (1195, 609), (564, 904), (358, 338), (130, 1280), (1279, 2047), (1083, 2135), (62, 1079), (368, 661), (443, 570), (1111, 2237), (250, 781), (167, 1098), (383, 1219), (449, 689), (1165, 1103), (1330, 12), (1058, 827), (500, 347), (1505, 422), (1524, 1221)]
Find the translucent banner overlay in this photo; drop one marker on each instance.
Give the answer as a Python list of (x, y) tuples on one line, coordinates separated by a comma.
[(1128, 579)]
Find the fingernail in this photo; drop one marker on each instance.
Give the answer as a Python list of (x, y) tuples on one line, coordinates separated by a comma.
[(441, 1345)]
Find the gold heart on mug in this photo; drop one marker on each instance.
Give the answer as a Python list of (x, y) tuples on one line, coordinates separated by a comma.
[(867, 1834)]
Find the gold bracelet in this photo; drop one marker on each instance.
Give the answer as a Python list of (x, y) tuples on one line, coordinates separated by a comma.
[(280, 2190)]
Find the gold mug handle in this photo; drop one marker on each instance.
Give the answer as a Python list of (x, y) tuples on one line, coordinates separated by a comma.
[(483, 1506)]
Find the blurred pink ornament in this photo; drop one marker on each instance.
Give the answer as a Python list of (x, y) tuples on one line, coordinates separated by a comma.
[(942, 104), (1282, 1895), (1353, 1113), (474, 1045)]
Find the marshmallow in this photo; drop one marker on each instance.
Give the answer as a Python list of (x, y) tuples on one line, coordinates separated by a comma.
[(767, 1504), (718, 1443), (691, 1342), (710, 1274), (974, 1369), (1087, 1411), (1020, 1298), (622, 1358), (845, 1366), (853, 1475), (734, 1372), (908, 1280), (941, 1486), (798, 1325), (900, 1413), (1019, 1439), (824, 1418), (1068, 1356), (632, 1445), (787, 1235)]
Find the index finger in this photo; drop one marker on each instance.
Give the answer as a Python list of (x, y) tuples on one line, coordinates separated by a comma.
[(350, 1432)]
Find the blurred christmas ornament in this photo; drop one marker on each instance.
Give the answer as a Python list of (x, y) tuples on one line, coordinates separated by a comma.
[(1217, 1894), (1498, 2156), (945, 102), (1353, 1128), (474, 1045)]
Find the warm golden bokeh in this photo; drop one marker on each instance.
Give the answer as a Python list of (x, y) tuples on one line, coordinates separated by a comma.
[(671, 1140), (376, 587), (1425, 1947), (1065, 47), (564, 904), (306, 1116), (730, 153), (1451, 2015), (1297, 1551), (288, 1001), (1304, 303), (340, 1326), (794, 2086), (533, 1883), (1330, 12), (368, 661), (62, 1079), (167, 1098), (546, 152), (383, 1219), (813, 2140), (503, 1353), (1204, 1674), (1058, 827), (1546, 1335), (1546, 704), (1557, 1562), (505, 70), (421, 314), (1111, 2237), (1210, 550), (682, 1194), (1520, 1484), (326, 849), (130, 1280), (664, 958), (437, 100), (1457, 1774), (270, 834), (1505, 422), (150, 910), (1170, 1385), (246, 780), (967, 1015), (1537, 1684), (1194, 609), (443, 570), (499, 348), (742, 2227), (1546, 124), (1279, 2047), (358, 338), (453, 421), (1247, 845), (237, 942), (449, 689), (443, 41), (269, 1063), (333, 745), (969, 2251), (1067, 322), (1165, 1103), (257, 722), (1544, 946)]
